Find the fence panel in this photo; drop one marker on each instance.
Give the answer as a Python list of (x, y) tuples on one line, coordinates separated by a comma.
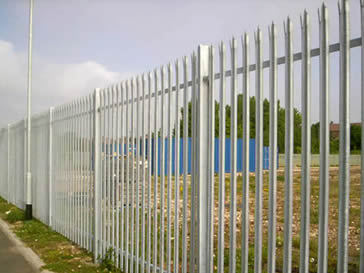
[(4, 193), (40, 166), (16, 164), (157, 170), (72, 177)]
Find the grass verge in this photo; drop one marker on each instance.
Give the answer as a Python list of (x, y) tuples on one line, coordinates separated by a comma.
[(57, 252)]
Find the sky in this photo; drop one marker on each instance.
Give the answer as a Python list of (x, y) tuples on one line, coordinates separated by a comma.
[(83, 44)]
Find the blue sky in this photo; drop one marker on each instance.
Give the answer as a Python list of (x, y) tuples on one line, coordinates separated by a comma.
[(83, 44)]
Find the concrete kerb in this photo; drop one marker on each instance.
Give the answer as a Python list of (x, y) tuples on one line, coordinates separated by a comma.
[(33, 259)]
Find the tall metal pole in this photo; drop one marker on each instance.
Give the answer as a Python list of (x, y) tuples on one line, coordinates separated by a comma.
[(28, 208)]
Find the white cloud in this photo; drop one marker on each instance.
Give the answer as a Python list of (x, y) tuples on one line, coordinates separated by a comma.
[(53, 84)]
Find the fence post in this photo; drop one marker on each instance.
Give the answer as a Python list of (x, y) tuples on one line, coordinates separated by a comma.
[(25, 161), (8, 163), (97, 173), (50, 169), (202, 153)]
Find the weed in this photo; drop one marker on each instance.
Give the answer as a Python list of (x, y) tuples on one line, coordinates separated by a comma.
[(14, 215), (108, 261), (280, 177)]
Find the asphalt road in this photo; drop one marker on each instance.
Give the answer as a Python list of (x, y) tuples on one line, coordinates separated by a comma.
[(11, 261)]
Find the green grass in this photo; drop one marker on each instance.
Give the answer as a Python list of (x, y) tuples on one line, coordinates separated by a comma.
[(58, 253), (10, 213)]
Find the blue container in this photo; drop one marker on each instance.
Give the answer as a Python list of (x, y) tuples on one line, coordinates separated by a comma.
[(216, 159)]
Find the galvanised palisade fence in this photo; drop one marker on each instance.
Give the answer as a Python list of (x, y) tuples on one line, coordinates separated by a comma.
[(16, 163), (94, 183), (40, 165)]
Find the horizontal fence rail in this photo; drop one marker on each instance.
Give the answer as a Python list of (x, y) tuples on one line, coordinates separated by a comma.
[(177, 170)]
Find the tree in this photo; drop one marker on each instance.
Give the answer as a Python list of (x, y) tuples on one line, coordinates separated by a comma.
[(266, 105), (355, 138), (315, 138), (355, 135), (334, 145)]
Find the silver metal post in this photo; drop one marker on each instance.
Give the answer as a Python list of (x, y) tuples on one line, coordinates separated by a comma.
[(137, 181), (34, 185), (80, 189), (63, 187), (306, 144), (127, 177), (222, 95), (28, 208), (185, 165), (55, 173), (72, 169), (192, 266), (90, 226), (162, 170), (272, 151), (143, 186), (97, 171), (122, 173), (8, 165), (109, 163), (202, 147), (113, 175), (324, 142), (169, 169), (259, 153), (210, 165), (67, 210), (156, 165), (233, 134), (344, 155), (77, 170), (50, 166), (246, 141), (177, 172), (149, 235), (287, 266), (133, 174)]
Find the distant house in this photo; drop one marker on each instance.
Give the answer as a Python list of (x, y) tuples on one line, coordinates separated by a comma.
[(335, 129)]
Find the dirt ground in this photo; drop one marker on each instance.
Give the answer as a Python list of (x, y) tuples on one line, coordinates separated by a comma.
[(354, 216)]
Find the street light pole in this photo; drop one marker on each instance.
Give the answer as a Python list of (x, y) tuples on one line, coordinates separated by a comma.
[(28, 207)]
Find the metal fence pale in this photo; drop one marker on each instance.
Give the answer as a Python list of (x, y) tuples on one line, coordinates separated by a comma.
[(125, 170)]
